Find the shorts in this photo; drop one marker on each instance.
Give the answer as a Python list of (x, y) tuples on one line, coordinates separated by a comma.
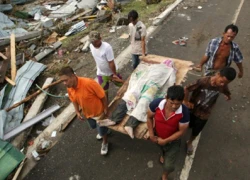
[(170, 152), (196, 124), (104, 81), (135, 60), (101, 130)]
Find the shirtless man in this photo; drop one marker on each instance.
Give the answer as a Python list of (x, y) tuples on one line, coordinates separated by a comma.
[(221, 52)]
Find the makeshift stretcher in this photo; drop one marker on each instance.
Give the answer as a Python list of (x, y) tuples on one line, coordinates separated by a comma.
[(181, 68)]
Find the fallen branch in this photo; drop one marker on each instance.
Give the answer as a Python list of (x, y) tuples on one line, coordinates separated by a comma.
[(32, 95)]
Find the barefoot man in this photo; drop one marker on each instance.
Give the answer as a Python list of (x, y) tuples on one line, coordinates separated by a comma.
[(221, 52)]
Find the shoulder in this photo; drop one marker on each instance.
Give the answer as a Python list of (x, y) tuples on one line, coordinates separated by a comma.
[(142, 24), (235, 45), (106, 45), (185, 114), (215, 40), (155, 103)]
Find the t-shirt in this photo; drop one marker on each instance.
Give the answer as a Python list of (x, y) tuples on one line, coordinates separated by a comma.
[(204, 96), (102, 56), (136, 33), (165, 127), (88, 95)]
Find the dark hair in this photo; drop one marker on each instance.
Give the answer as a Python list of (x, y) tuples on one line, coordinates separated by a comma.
[(133, 14), (233, 27), (67, 71), (228, 72), (175, 92)]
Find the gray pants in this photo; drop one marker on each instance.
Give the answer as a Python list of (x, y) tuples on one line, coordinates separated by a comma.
[(120, 112)]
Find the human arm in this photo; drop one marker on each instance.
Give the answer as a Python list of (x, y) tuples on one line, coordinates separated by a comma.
[(182, 129), (240, 67), (78, 113), (143, 45), (150, 120), (203, 60), (227, 93), (105, 104)]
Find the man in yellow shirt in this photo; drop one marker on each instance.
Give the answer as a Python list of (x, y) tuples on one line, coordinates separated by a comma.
[(88, 95)]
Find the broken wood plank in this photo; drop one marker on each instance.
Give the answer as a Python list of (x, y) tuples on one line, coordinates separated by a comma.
[(6, 40), (46, 52), (13, 56), (67, 115), (10, 81), (3, 56), (35, 108), (32, 95), (77, 16)]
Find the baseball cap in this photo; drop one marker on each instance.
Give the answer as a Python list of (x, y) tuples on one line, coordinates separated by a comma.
[(94, 35)]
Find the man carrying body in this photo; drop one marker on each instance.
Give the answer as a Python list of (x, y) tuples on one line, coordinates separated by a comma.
[(103, 54), (137, 33), (205, 92), (88, 95), (167, 120), (221, 52)]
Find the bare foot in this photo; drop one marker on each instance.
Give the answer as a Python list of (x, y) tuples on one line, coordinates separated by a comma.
[(130, 132)]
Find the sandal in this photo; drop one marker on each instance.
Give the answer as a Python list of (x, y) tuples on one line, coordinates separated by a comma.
[(190, 149)]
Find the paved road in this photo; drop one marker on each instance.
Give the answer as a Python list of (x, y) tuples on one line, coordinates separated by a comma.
[(223, 148)]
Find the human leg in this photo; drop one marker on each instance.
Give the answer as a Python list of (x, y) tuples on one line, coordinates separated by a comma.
[(104, 82), (130, 125), (170, 152), (135, 60), (197, 125), (117, 115), (103, 132)]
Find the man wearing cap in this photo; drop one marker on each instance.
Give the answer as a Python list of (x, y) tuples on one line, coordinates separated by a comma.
[(104, 58)]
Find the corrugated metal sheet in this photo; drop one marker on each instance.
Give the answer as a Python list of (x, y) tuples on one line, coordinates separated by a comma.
[(25, 77), (10, 157)]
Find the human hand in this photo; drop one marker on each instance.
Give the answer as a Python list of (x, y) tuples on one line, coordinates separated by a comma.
[(227, 98), (161, 141), (240, 74), (188, 104), (153, 138), (198, 67), (116, 78), (79, 116)]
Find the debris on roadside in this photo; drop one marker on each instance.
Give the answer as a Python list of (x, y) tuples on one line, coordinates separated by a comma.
[(182, 41)]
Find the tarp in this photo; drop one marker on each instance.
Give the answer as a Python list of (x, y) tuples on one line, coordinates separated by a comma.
[(70, 7), (10, 157), (146, 83), (5, 7), (5, 22), (11, 95)]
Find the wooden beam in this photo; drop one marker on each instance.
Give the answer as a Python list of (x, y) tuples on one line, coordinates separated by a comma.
[(13, 56), (10, 81), (35, 108), (32, 95)]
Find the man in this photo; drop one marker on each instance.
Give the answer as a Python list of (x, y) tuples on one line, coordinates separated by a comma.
[(88, 95), (137, 33), (167, 120), (103, 54), (221, 52), (205, 92)]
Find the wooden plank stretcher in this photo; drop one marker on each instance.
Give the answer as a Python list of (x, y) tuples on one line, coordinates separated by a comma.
[(141, 130)]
